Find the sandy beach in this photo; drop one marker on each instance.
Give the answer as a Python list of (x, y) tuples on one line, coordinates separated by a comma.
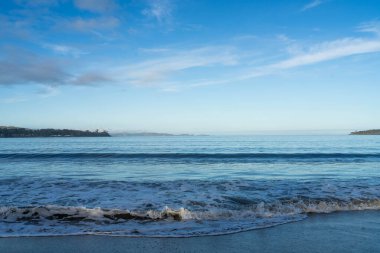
[(336, 232)]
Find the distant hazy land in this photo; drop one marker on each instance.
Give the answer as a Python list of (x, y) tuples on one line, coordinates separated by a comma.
[(367, 132), (19, 132)]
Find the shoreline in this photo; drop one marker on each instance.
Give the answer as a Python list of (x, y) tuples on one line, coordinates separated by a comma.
[(355, 231)]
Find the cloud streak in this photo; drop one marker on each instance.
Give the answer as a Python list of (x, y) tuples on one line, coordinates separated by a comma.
[(318, 53), (322, 52), (329, 51), (160, 70), (370, 27), (311, 5), (64, 50)]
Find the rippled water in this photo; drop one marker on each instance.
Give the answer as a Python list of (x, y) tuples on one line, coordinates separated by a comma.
[(181, 185)]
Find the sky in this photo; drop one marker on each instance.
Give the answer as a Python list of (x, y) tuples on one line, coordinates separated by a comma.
[(185, 66)]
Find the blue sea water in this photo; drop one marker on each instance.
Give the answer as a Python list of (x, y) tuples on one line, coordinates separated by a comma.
[(181, 185)]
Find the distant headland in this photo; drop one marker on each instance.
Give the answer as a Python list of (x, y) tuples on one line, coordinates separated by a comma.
[(19, 132), (367, 132)]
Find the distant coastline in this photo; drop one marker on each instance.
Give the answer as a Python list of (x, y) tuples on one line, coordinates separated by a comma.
[(366, 132), (19, 132)]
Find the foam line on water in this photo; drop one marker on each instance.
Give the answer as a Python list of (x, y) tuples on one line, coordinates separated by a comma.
[(42, 220)]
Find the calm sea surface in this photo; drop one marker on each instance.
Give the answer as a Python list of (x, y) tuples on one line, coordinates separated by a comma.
[(181, 185)]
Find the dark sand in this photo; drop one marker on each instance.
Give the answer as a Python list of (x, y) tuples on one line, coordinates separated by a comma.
[(337, 232)]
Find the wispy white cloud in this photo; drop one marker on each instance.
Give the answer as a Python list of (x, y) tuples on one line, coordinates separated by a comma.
[(311, 5), (329, 51), (371, 27), (318, 53), (159, 70), (161, 10), (162, 71), (65, 50)]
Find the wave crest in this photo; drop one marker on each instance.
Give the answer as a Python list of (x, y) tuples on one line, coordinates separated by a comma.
[(252, 211), (72, 213)]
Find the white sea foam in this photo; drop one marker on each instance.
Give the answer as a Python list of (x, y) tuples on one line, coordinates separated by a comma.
[(61, 220), (46, 206)]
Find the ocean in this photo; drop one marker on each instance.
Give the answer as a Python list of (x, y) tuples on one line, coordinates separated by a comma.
[(181, 186)]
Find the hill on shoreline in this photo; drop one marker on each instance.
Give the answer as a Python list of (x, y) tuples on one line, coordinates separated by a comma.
[(367, 132), (19, 132)]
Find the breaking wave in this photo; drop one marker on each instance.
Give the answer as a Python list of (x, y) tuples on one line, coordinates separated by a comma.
[(63, 220)]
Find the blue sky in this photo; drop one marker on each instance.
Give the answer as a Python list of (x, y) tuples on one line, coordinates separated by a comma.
[(190, 66)]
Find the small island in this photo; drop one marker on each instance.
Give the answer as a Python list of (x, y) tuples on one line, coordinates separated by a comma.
[(367, 132), (19, 132)]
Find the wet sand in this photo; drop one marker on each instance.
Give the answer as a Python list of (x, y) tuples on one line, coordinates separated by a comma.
[(337, 232)]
